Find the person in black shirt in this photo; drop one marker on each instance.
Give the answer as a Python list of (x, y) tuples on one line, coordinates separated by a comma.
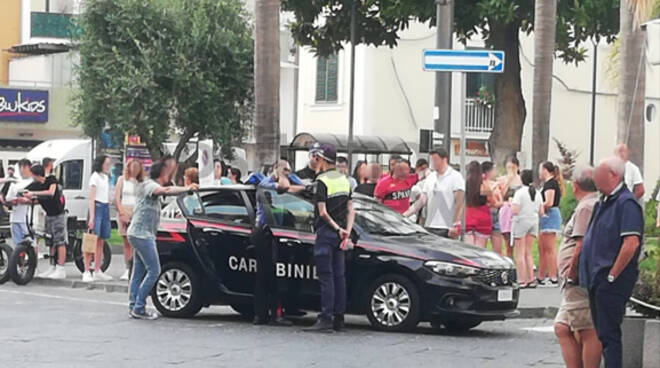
[(310, 171), (49, 195), (374, 172), (334, 222), (550, 222)]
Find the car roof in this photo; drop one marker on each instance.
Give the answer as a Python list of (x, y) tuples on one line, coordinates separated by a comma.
[(227, 187)]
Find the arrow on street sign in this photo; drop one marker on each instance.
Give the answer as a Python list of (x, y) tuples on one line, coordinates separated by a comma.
[(468, 61)]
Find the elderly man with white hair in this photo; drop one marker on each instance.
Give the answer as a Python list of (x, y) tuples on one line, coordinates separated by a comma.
[(608, 265)]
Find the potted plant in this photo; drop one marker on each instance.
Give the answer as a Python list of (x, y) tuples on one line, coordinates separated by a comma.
[(485, 98)]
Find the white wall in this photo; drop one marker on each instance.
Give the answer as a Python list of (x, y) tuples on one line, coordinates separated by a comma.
[(42, 70)]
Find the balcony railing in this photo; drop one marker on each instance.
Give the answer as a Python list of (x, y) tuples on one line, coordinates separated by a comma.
[(52, 25), (478, 117)]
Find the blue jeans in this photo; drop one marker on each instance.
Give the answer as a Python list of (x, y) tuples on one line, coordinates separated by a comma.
[(330, 267), (102, 220), (146, 269), (19, 231)]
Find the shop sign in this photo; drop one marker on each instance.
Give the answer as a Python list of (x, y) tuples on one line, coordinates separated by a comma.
[(23, 105)]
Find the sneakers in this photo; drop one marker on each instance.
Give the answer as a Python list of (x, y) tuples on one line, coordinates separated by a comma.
[(321, 325), (87, 277), (58, 274), (100, 276), (125, 276), (46, 274), (149, 316)]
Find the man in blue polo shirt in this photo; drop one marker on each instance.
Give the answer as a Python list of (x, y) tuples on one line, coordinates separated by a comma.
[(608, 259)]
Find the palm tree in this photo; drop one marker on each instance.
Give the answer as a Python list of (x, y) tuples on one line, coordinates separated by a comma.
[(267, 81), (632, 78), (545, 20)]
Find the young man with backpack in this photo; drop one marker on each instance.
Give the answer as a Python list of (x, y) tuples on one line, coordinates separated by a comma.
[(48, 193)]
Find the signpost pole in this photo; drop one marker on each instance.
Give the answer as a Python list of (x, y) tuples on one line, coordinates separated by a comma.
[(462, 145)]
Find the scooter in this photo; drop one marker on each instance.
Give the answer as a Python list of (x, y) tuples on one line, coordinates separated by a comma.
[(23, 261)]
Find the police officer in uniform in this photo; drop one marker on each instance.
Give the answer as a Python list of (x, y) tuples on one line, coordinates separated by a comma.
[(266, 295), (334, 222)]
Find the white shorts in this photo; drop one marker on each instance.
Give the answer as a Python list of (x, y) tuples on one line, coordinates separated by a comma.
[(520, 227)]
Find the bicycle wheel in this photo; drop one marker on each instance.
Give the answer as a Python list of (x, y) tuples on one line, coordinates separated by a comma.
[(23, 263), (5, 255), (78, 256)]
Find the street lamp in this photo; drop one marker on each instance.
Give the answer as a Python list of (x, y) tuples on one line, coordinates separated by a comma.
[(351, 108)]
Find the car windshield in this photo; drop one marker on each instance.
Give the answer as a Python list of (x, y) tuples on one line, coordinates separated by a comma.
[(375, 218)]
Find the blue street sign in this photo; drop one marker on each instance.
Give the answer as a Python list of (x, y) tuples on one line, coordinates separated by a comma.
[(467, 61)]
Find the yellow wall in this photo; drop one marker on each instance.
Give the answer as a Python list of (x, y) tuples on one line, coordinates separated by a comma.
[(10, 34)]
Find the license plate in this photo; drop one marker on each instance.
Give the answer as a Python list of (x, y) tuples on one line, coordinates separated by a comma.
[(505, 295)]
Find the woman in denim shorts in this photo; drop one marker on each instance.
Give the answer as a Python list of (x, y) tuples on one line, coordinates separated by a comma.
[(550, 223), (99, 217)]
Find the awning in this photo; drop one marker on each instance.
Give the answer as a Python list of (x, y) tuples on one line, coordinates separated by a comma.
[(361, 144), (41, 48)]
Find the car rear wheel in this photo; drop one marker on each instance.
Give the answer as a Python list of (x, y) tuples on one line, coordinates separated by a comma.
[(177, 292), (456, 326), (393, 303)]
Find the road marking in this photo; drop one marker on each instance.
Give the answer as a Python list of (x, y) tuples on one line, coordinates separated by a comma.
[(550, 328), (68, 298)]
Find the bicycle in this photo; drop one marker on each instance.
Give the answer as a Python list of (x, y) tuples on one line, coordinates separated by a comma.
[(24, 259)]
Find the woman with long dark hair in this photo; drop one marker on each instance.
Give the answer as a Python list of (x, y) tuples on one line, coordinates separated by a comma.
[(509, 184), (526, 207), (550, 223), (99, 217), (360, 172), (478, 223)]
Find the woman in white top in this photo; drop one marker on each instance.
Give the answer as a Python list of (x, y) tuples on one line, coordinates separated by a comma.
[(526, 206), (99, 217), (124, 202)]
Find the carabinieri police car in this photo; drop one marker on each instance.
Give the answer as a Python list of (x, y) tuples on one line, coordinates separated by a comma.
[(397, 274)]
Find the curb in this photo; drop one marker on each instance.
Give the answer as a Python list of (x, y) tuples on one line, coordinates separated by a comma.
[(525, 313), (77, 284)]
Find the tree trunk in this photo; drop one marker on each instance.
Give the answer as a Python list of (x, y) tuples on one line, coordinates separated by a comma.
[(267, 82), (632, 73), (545, 20), (510, 109), (183, 140)]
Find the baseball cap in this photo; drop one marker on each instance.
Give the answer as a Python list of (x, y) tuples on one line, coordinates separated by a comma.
[(314, 148), (327, 152)]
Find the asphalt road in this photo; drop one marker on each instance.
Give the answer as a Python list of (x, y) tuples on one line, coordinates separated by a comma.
[(43, 326)]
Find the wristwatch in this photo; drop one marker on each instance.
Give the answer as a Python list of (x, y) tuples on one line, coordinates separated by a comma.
[(610, 278)]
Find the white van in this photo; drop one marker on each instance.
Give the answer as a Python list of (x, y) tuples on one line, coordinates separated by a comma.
[(72, 166)]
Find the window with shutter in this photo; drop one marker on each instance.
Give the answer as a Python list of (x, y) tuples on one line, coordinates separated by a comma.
[(326, 79)]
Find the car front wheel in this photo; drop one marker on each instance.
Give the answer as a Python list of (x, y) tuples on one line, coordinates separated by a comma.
[(177, 292), (393, 304)]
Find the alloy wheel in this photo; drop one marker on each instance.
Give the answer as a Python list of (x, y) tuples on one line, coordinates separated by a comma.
[(174, 289), (390, 304)]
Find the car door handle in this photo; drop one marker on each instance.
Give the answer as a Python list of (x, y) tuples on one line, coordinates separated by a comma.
[(290, 241), (212, 231), (79, 197)]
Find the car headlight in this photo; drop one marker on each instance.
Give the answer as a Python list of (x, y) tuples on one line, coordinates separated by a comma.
[(451, 269)]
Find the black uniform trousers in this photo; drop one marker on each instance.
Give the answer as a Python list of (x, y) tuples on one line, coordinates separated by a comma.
[(266, 295), (608, 306)]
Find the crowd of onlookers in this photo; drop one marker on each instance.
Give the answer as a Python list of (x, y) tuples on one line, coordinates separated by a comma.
[(597, 264)]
